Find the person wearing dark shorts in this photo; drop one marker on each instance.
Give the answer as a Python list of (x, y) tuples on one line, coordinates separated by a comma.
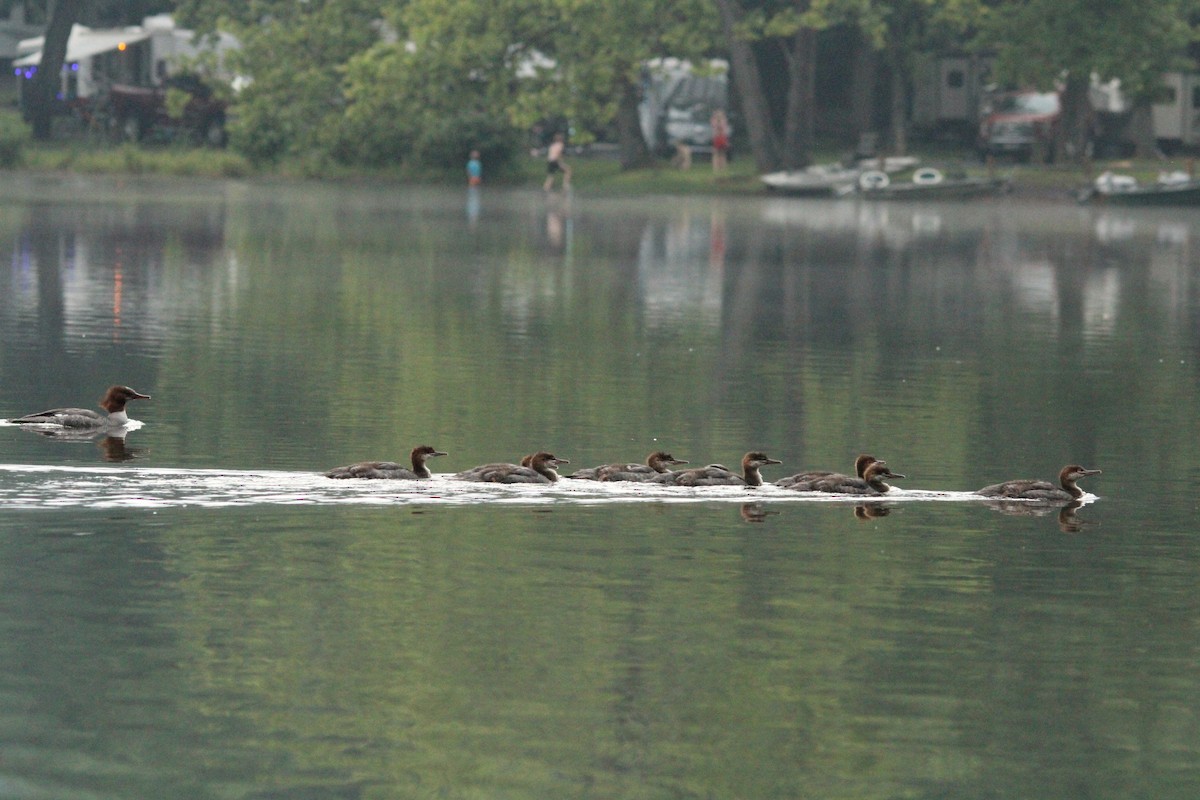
[(555, 163)]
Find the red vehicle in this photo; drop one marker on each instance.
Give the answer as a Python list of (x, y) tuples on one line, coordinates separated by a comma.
[(137, 111), (1020, 124)]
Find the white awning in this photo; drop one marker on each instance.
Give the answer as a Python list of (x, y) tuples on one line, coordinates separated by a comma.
[(84, 42)]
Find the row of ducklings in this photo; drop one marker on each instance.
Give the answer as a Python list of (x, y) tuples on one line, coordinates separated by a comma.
[(870, 478)]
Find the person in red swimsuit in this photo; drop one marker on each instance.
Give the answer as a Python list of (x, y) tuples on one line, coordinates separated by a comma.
[(720, 140)]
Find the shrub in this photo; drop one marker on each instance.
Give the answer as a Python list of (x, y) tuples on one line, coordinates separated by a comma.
[(446, 142), (13, 135)]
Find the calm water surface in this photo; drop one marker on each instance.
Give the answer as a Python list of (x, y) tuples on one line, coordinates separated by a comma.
[(194, 612)]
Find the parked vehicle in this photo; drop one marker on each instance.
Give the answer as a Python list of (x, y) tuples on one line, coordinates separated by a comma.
[(139, 111), (1020, 124)]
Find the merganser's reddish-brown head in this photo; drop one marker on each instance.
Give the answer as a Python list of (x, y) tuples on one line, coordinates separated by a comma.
[(861, 463), (660, 461), (418, 456), (116, 397), (545, 464), (425, 451), (1073, 472)]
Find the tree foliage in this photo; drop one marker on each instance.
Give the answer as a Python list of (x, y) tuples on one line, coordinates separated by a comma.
[(1050, 44), (382, 81), (294, 55)]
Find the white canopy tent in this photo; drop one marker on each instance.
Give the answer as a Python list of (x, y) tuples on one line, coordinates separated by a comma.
[(84, 43)]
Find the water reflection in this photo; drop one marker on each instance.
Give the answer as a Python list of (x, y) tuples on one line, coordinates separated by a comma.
[(559, 223), (809, 266), (869, 511), (756, 513), (474, 205), (1066, 514), (248, 604), (111, 444)]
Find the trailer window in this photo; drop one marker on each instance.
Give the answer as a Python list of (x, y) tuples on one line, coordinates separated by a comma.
[(1196, 97), (955, 79)]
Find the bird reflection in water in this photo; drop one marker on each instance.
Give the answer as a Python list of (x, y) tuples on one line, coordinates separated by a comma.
[(1069, 520), (868, 511), (113, 448), (112, 444), (755, 512)]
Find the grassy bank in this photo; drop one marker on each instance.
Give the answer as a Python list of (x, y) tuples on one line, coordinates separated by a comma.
[(598, 174)]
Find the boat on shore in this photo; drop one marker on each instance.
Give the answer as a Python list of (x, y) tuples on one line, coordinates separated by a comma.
[(927, 183), (832, 180), (1171, 189)]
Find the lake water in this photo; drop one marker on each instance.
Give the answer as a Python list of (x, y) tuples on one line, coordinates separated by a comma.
[(194, 612)]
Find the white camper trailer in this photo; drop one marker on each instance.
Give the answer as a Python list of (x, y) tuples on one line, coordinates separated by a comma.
[(948, 94), (1177, 117), (138, 55)]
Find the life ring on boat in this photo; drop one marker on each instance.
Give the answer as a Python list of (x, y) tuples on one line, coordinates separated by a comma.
[(928, 176), (873, 179)]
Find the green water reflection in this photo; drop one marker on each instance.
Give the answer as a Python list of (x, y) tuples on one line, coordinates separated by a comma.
[(641, 651), (625, 653)]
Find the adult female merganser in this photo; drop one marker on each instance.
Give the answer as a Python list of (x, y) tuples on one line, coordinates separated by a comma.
[(1042, 490), (657, 463), (113, 402), (540, 469), (793, 481), (871, 483), (719, 475), (390, 470)]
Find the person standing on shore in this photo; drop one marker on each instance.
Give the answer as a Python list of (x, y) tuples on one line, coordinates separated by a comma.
[(555, 163), (474, 169), (720, 140)]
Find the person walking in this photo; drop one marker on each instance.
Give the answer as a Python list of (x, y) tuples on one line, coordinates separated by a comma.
[(555, 163)]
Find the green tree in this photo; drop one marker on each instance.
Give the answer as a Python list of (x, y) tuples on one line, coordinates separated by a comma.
[(532, 60), (446, 82), (1063, 43), (903, 30), (295, 55), (791, 30), (899, 29)]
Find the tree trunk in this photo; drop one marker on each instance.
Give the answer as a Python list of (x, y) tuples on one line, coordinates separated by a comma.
[(631, 143), (801, 99), (44, 88), (1074, 130), (756, 117), (862, 89), (899, 113), (1141, 130)]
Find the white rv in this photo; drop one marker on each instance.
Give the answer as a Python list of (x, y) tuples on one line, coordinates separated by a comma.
[(96, 58), (1177, 117)]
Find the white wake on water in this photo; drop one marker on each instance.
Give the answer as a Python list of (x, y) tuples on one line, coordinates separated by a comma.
[(27, 486)]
